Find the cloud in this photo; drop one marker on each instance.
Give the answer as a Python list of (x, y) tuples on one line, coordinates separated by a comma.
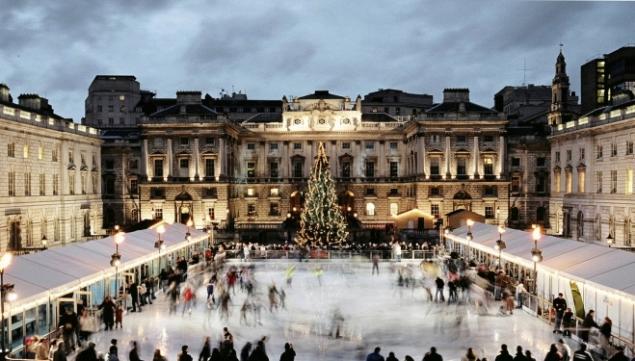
[(288, 47)]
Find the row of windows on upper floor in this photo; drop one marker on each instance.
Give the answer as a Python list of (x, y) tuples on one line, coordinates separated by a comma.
[(599, 152), (599, 181), (54, 184), (26, 153)]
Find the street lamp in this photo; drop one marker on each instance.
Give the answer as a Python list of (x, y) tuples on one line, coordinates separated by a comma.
[(500, 244), (609, 240), (469, 237), (115, 259), (536, 254), (160, 243), (6, 294)]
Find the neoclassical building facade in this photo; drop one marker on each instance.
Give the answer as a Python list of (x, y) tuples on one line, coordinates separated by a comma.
[(196, 164), (50, 188)]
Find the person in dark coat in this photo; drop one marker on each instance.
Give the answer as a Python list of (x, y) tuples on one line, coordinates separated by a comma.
[(439, 293), (432, 355), (87, 354), (619, 355), (391, 357), (206, 351), (375, 355), (244, 353), (553, 354), (108, 308), (582, 354), (288, 354), (184, 356), (568, 322), (69, 323), (504, 354), (259, 353), (134, 295), (60, 353), (587, 324), (134, 354), (559, 305), (519, 354)]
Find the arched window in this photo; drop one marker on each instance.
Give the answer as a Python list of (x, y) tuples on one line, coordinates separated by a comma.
[(394, 209), (370, 209), (514, 214)]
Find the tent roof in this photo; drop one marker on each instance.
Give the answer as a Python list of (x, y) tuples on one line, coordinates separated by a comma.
[(59, 269), (415, 212), (610, 269)]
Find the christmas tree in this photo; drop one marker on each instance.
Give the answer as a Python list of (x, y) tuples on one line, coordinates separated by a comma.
[(321, 220)]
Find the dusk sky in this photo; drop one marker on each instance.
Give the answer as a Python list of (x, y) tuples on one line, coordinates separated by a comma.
[(275, 48)]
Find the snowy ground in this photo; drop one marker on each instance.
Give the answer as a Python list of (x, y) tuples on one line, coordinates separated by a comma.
[(376, 312)]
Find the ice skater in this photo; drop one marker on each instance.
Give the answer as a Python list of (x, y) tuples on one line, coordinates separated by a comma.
[(318, 272), (273, 297), (375, 265), (289, 275)]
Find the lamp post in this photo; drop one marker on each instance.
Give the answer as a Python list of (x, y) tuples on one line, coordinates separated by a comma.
[(469, 237), (609, 240), (536, 255), (188, 237), (6, 294), (446, 233), (160, 243), (115, 259), (500, 244)]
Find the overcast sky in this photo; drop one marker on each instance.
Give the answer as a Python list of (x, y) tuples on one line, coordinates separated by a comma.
[(276, 48)]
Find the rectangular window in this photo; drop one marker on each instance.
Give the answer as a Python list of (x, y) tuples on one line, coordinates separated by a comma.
[(613, 150), (370, 191), (211, 213), (568, 182), (11, 184), (251, 146), (274, 192), (25, 151), (598, 182), (184, 141), (488, 166), (370, 145), (515, 184), (251, 169), (134, 186), (95, 182), (71, 183), (56, 184), (109, 163), (298, 166), (435, 139), (434, 166), (27, 184), (581, 153), (297, 146), (54, 154), (435, 191), (557, 157), (184, 163), (209, 167), (394, 169), (251, 209), (540, 161), (158, 214), (556, 182), (40, 152), (394, 145), (540, 184), (515, 162), (273, 170), (274, 209), (346, 169), (488, 139), (629, 182), (71, 157), (569, 155), (461, 168), (42, 184), (370, 169), (82, 179), (273, 146), (581, 181), (346, 145), (434, 210), (629, 147), (461, 140), (210, 141), (489, 212), (598, 152), (613, 181), (158, 167)]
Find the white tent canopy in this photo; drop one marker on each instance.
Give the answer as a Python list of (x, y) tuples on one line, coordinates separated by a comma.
[(60, 270)]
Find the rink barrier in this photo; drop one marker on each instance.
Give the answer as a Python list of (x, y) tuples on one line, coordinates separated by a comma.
[(383, 255)]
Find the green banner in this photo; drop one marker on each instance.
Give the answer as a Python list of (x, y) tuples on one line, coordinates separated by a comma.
[(578, 302)]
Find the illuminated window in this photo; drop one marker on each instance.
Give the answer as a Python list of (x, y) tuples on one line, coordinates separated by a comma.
[(394, 209), (629, 182), (434, 210), (250, 192), (25, 151), (274, 192), (40, 152), (488, 166), (556, 182), (370, 209), (568, 180), (581, 179)]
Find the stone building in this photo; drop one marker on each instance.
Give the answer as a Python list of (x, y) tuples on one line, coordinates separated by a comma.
[(49, 175), (592, 164)]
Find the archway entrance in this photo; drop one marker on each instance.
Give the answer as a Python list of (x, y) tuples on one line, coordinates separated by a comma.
[(184, 211), (296, 203)]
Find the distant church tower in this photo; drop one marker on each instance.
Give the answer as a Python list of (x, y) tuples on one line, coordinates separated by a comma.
[(559, 93)]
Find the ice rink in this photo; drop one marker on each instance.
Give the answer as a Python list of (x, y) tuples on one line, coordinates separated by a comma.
[(374, 309)]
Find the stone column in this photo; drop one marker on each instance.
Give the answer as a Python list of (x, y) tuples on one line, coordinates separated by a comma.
[(381, 159), (285, 160), (501, 156), (220, 157), (146, 170), (447, 154), (197, 160), (262, 161), (476, 156), (169, 159), (423, 155)]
